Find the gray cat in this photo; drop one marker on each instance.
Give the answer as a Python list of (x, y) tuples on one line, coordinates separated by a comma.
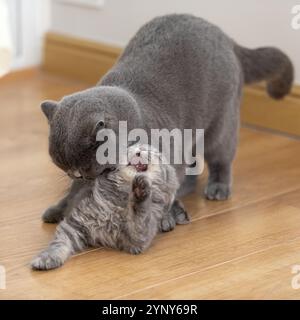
[(123, 208), (178, 71)]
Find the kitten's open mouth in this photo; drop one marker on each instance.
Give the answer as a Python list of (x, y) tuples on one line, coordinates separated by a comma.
[(139, 167)]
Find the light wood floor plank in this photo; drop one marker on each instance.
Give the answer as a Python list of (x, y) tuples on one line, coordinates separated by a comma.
[(263, 275)]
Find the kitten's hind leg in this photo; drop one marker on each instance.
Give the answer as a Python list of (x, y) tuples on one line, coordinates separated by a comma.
[(168, 222), (179, 213), (67, 241), (176, 215)]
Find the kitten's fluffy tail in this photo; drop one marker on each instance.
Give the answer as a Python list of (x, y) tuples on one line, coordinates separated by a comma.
[(269, 64)]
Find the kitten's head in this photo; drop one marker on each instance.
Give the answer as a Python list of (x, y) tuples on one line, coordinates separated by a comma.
[(141, 158), (145, 159), (75, 120)]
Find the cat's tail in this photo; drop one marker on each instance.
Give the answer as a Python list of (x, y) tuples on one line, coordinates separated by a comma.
[(269, 64)]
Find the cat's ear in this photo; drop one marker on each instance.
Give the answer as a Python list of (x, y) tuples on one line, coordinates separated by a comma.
[(48, 108)]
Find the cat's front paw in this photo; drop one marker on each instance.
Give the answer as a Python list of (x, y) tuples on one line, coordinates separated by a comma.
[(217, 191), (46, 261), (53, 214), (141, 187)]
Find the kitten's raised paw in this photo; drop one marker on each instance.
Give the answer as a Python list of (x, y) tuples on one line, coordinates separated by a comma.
[(141, 187), (217, 191), (179, 213), (53, 214), (46, 261)]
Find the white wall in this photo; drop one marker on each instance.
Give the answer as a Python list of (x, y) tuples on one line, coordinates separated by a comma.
[(252, 23)]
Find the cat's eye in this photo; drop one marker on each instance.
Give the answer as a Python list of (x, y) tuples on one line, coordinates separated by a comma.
[(100, 125)]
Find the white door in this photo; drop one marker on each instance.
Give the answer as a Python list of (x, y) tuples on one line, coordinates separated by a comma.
[(29, 20)]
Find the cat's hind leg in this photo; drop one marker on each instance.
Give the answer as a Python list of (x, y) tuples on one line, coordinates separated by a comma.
[(219, 162), (219, 181), (219, 156), (67, 241)]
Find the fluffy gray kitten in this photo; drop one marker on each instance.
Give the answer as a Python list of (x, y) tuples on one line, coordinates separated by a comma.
[(124, 209), (178, 71)]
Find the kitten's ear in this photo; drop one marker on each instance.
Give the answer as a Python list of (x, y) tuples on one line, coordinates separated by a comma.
[(48, 108)]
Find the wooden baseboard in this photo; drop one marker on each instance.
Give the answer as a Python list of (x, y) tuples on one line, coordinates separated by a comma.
[(260, 110), (89, 61), (82, 59)]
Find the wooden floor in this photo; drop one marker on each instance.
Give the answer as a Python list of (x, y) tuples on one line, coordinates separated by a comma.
[(241, 248)]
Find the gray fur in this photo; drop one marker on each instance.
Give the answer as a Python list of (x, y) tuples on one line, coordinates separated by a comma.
[(56, 213), (178, 71), (121, 209), (269, 64)]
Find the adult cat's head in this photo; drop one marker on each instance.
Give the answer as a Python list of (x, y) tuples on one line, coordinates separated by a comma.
[(75, 120)]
